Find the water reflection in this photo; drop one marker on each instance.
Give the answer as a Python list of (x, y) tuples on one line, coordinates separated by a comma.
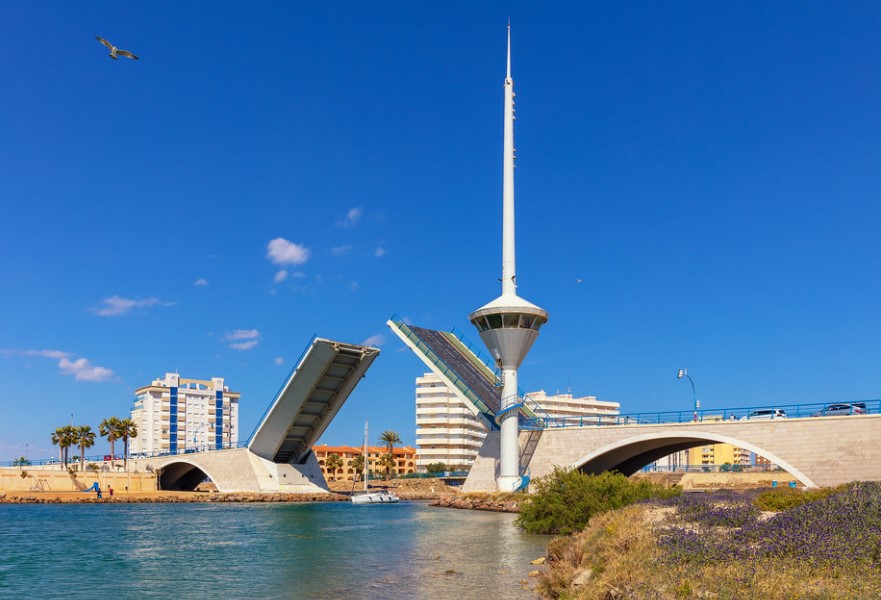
[(316, 551)]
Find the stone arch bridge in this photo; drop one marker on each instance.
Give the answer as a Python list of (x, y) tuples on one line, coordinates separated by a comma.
[(817, 451)]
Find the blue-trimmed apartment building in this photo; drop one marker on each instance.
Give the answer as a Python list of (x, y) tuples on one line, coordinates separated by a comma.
[(176, 414)]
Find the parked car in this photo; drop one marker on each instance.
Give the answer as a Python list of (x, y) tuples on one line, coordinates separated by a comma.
[(765, 414), (834, 410)]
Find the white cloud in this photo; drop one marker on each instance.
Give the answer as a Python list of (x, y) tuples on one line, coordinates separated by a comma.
[(115, 306), (83, 370), (57, 354), (242, 339), (279, 360), (340, 250), (280, 276), (282, 252), (244, 345), (379, 252), (374, 340), (351, 219), (201, 281)]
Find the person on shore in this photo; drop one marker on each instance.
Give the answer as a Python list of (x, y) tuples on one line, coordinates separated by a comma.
[(110, 490), (95, 488)]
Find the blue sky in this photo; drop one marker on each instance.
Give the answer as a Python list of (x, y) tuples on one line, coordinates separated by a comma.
[(260, 175)]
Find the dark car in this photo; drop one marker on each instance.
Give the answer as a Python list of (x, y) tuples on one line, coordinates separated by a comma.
[(835, 410)]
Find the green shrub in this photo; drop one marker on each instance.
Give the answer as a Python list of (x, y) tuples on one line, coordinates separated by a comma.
[(780, 499), (565, 500)]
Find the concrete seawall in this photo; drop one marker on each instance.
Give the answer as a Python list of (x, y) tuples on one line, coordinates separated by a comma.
[(56, 480)]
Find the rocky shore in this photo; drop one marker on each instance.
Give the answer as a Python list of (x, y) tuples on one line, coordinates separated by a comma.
[(489, 502), (160, 497), (406, 489)]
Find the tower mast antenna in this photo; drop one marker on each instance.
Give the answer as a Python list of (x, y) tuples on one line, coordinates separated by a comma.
[(509, 324)]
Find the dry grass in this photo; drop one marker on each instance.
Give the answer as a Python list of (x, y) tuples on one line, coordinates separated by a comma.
[(617, 556)]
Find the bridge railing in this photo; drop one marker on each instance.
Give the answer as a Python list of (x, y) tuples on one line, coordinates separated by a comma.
[(74, 461), (533, 411), (763, 412), (460, 384), (725, 468), (281, 389)]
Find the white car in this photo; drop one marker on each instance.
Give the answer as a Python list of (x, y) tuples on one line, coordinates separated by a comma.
[(765, 414)]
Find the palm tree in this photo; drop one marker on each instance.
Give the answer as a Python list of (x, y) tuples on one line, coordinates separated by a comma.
[(21, 461), (333, 464), (57, 436), (85, 439), (389, 438), (387, 461), (110, 428), (358, 465), (127, 429), (64, 438)]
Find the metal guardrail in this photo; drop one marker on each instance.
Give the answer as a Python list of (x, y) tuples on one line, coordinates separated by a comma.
[(104, 458), (281, 388), (441, 475), (460, 384), (724, 468), (760, 413), (529, 406)]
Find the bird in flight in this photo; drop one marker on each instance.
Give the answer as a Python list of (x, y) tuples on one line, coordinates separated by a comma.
[(115, 52), (578, 280)]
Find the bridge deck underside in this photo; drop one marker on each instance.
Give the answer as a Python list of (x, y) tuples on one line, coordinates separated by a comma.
[(463, 366), (630, 459), (309, 400)]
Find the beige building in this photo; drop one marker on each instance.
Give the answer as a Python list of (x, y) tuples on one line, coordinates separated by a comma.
[(176, 415), (448, 432), (405, 461)]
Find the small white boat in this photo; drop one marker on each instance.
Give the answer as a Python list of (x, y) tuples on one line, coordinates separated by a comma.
[(377, 497), (368, 497)]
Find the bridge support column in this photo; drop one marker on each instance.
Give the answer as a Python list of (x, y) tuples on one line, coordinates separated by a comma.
[(509, 448)]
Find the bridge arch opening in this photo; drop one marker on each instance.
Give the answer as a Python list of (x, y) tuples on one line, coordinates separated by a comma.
[(630, 455), (181, 476)]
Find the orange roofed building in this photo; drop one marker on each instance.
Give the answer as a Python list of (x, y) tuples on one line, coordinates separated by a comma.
[(405, 460)]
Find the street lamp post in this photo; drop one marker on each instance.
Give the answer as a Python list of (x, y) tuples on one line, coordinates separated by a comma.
[(683, 373), (195, 435)]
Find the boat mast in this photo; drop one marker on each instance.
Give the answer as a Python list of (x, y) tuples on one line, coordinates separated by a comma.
[(364, 454)]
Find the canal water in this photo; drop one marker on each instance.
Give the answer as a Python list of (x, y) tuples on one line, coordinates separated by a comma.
[(303, 550)]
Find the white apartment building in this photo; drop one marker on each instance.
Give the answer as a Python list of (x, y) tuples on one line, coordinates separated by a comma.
[(567, 406), (448, 432), (176, 415)]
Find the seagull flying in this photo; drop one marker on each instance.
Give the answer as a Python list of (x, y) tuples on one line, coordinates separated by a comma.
[(578, 280), (115, 52)]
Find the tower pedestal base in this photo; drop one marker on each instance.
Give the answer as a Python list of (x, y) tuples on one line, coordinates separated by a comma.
[(508, 484)]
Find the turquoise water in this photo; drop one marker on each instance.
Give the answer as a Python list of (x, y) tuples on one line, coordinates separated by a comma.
[(308, 550)]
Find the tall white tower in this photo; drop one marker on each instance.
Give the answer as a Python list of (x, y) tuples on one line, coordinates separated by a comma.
[(509, 324)]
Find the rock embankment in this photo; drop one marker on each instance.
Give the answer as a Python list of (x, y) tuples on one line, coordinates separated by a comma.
[(488, 503), (406, 489), (160, 497)]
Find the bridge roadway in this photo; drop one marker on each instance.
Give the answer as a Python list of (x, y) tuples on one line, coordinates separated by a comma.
[(818, 451)]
